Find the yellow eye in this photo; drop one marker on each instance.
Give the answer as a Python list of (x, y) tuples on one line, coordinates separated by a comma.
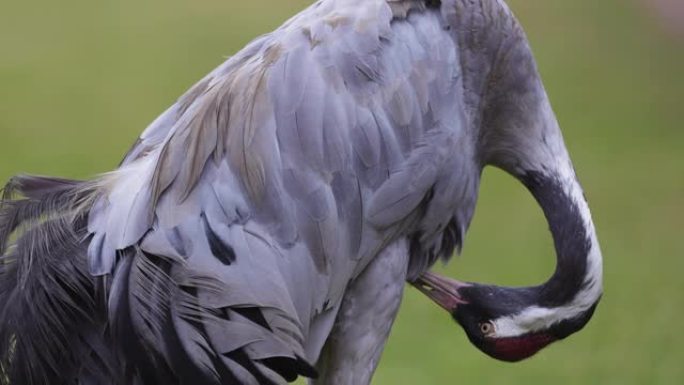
[(486, 328)]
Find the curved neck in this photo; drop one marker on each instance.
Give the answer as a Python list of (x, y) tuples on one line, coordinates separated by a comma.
[(567, 300), (577, 280)]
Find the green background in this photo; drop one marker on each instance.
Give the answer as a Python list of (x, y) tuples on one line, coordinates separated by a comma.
[(80, 79)]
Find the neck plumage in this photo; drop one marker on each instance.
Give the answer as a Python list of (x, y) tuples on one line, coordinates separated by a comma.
[(568, 298), (577, 280)]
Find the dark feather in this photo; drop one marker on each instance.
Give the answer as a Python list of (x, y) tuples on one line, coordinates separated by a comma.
[(52, 318), (42, 198), (219, 249)]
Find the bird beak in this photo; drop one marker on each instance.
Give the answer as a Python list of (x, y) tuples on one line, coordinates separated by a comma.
[(442, 290)]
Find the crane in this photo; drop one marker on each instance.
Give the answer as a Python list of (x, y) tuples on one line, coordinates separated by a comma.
[(264, 226)]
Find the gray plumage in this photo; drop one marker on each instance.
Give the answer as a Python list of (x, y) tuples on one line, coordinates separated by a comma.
[(245, 226)]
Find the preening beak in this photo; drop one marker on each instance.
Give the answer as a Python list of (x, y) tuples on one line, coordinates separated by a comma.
[(442, 290)]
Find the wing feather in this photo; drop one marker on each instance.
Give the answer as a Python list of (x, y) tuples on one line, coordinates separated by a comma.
[(273, 182)]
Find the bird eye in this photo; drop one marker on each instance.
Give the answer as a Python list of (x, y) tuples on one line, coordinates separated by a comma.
[(486, 328)]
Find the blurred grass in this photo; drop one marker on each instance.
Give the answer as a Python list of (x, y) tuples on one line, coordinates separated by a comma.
[(79, 80)]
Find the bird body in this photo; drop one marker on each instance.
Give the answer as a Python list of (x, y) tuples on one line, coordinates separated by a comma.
[(300, 154), (267, 221)]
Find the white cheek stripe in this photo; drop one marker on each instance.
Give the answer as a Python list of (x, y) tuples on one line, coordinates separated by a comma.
[(538, 318)]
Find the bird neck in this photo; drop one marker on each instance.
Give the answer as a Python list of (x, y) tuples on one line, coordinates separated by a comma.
[(577, 280), (567, 300)]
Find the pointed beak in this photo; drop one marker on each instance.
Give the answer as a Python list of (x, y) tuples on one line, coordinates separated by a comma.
[(442, 290)]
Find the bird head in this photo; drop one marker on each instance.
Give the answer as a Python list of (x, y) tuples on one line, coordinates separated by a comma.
[(505, 323)]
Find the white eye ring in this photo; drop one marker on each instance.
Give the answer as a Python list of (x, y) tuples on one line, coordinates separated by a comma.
[(487, 328)]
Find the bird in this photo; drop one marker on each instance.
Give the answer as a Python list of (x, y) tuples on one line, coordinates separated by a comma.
[(264, 227)]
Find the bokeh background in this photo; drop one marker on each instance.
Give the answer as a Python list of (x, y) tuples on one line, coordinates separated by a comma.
[(80, 79)]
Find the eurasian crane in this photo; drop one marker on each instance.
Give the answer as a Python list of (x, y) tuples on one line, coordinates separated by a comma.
[(264, 226)]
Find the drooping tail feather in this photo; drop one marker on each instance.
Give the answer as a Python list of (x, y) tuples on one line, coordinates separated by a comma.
[(143, 324), (52, 314)]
